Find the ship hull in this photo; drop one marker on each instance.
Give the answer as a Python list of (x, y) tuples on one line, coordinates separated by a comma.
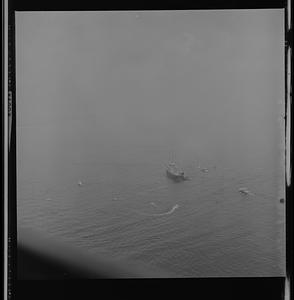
[(175, 177)]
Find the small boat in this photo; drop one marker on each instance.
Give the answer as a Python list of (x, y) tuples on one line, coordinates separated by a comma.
[(173, 173), (244, 191)]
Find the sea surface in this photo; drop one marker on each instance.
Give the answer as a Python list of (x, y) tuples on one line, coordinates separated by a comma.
[(118, 202)]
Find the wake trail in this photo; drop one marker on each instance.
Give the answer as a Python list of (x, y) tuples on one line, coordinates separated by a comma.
[(160, 214)]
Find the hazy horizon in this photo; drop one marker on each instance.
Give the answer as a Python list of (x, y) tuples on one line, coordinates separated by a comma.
[(158, 76)]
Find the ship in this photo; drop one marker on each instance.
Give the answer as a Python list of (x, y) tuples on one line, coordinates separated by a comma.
[(174, 173)]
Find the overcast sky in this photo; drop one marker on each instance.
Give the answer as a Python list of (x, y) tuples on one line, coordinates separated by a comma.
[(153, 75)]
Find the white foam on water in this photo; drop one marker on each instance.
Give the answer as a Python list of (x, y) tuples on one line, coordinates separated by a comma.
[(160, 214)]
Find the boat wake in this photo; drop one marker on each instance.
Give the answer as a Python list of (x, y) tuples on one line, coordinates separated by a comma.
[(160, 214)]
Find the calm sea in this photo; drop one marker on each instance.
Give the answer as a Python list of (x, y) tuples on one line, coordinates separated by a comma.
[(116, 200)]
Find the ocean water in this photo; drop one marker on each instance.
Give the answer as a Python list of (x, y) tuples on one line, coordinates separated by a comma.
[(119, 203), (106, 99)]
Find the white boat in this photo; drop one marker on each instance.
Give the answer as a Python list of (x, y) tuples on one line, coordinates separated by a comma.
[(244, 191)]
